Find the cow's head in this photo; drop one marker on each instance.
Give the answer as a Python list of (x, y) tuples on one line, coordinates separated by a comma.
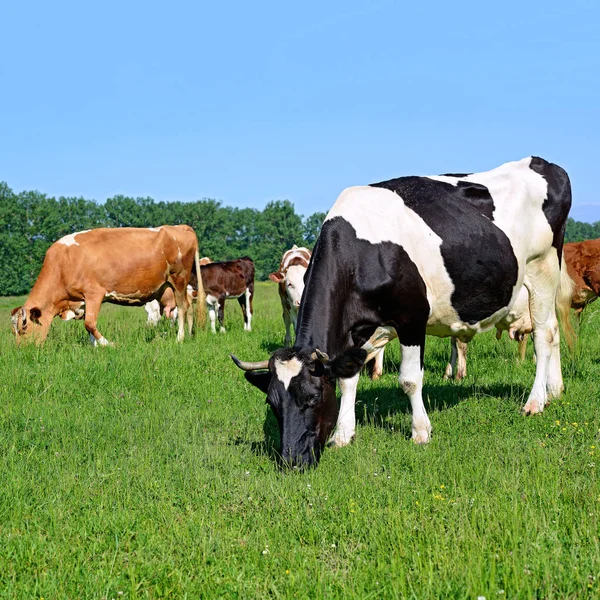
[(293, 282), (25, 321), (300, 389)]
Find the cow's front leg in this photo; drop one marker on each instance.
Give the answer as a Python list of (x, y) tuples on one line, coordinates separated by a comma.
[(346, 423), (93, 302), (411, 381), (287, 319)]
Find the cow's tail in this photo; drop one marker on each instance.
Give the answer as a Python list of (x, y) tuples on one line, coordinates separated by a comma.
[(201, 298), (564, 297)]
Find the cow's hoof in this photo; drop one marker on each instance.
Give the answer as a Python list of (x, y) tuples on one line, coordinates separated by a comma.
[(533, 407), (341, 440), (421, 434), (421, 437)]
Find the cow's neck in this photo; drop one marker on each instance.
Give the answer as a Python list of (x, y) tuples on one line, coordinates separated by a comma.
[(45, 294), (331, 309)]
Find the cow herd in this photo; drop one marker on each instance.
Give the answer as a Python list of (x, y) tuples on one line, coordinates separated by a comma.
[(450, 255)]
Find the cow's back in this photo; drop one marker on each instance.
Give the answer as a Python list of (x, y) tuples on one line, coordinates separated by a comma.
[(127, 259), (468, 236)]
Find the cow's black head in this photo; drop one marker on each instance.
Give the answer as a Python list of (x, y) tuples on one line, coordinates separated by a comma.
[(300, 389)]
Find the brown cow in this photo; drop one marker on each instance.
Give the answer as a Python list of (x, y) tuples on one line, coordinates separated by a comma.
[(228, 279), (583, 265), (126, 266), (290, 278)]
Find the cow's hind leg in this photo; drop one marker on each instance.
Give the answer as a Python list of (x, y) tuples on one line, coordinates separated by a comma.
[(541, 279), (249, 310), (181, 300), (378, 365), (458, 360), (93, 302), (221, 313)]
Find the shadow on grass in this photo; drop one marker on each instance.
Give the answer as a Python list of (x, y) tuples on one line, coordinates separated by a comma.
[(379, 406)]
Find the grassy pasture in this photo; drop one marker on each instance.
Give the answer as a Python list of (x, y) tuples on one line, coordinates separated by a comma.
[(146, 470)]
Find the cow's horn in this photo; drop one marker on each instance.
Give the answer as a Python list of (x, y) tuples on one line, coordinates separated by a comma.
[(322, 356), (249, 366)]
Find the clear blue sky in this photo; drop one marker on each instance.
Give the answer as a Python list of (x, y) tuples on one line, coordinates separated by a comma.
[(248, 102)]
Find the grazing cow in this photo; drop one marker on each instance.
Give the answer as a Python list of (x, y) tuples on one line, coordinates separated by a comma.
[(166, 305), (127, 266), (290, 278), (228, 279), (443, 255)]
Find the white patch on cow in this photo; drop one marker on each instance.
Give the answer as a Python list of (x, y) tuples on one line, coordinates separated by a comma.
[(294, 284), (68, 315), (155, 228), (153, 310), (190, 289), (179, 255), (248, 325), (102, 341), (287, 369), (133, 298), (69, 240)]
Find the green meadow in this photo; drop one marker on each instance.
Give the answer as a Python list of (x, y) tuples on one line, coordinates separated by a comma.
[(147, 470)]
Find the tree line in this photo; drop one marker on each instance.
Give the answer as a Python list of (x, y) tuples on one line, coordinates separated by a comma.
[(31, 221)]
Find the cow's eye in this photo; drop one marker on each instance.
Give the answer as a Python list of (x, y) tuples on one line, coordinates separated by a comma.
[(290, 285)]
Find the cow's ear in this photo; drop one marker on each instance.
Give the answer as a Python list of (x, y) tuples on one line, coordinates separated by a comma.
[(35, 313), (347, 364), (259, 379), (276, 277)]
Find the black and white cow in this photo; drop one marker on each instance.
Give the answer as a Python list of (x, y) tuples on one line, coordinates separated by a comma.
[(443, 255)]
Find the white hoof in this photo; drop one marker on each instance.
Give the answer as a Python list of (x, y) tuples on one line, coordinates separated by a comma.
[(341, 439), (534, 405), (421, 432)]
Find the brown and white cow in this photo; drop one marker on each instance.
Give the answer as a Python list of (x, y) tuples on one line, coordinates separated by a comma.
[(167, 306), (228, 279), (127, 266), (290, 278)]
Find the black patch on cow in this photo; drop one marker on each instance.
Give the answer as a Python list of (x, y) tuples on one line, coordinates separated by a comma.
[(478, 255), (354, 286), (457, 175), (557, 204)]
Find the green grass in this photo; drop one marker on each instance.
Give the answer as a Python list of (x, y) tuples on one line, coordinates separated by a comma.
[(146, 470)]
